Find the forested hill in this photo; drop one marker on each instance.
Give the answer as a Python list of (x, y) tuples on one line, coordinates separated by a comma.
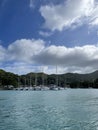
[(73, 80)]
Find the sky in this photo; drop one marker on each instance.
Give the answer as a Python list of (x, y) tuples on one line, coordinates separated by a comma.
[(38, 35)]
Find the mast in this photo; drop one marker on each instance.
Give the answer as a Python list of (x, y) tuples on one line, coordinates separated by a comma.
[(18, 82), (35, 79), (43, 78), (30, 81), (25, 81), (56, 75)]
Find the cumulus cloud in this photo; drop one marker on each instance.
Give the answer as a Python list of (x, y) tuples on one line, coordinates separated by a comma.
[(24, 49), (71, 12), (72, 59), (61, 55), (94, 22), (27, 55)]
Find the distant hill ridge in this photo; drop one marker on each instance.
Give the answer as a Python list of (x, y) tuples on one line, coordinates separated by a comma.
[(72, 79), (88, 76)]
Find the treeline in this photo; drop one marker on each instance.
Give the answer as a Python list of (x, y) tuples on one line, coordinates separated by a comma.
[(64, 80)]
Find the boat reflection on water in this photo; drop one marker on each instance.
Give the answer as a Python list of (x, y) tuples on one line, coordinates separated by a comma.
[(40, 88)]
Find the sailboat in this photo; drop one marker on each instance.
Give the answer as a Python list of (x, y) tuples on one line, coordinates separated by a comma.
[(19, 87), (43, 86), (30, 84), (56, 86), (37, 88)]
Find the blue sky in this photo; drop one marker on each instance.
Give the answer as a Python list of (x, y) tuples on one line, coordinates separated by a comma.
[(47, 33)]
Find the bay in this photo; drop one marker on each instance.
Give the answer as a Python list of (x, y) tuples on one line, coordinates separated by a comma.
[(70, 109)]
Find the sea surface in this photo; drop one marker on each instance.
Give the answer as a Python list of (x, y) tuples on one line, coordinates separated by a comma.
[(70, 109)]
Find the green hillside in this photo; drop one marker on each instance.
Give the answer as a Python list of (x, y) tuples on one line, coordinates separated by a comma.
[(73, 80)]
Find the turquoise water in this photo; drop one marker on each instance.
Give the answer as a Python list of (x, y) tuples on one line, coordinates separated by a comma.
[(72, 109)]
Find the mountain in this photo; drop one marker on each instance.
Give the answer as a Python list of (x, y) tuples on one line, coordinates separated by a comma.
[(74, 80)]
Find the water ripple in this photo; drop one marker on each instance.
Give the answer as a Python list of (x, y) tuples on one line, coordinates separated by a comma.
[(64, 110)]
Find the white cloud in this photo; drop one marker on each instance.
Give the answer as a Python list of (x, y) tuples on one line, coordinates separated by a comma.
[(45, 34), (27, 55), (24, 49), (2, 53), (21, 68), (72, 59), (70, 13), (31, 4), (94, 22)]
